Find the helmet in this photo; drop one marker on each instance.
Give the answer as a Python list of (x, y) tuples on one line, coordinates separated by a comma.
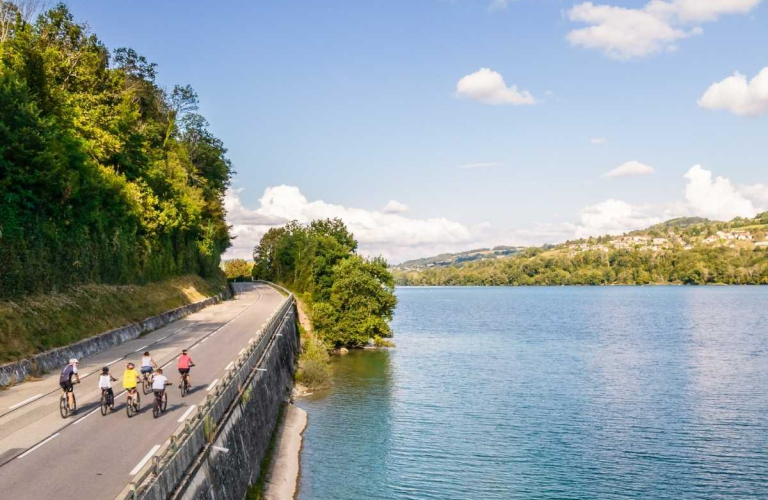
[(73, 360)]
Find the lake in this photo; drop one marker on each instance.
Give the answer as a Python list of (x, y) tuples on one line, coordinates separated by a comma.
[(550, 393)]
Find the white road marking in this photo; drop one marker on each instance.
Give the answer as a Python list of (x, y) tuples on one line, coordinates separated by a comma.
[(113, 362), (261, 369), (195, 346), (144, 460), (26, 401), (187, 413), (140, 348), (38, 446), (230, 365), (81, 419), (213, 384), (206, 338)]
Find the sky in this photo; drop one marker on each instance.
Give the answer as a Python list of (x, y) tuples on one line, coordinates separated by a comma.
[(445, 125)]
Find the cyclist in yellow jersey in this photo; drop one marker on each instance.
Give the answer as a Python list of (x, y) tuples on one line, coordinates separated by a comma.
[(130, 380)]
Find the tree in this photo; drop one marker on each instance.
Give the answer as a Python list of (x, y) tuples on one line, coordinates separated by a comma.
[(238, 269)]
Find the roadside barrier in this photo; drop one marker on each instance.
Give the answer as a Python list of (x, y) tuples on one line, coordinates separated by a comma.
[(167, 467)]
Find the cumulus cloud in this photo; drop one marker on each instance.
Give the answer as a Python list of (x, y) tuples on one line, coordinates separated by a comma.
[(489, 87), (395, 207), (716, 197), (625, 33), (399, 238), (738, 95), (598, 141), (470, 166), (630, 169), (378, 232)]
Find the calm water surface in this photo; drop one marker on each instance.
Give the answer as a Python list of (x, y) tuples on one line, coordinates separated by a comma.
[(551, 393)]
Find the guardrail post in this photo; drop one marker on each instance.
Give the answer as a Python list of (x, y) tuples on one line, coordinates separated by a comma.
[(134, 491), (155, 464)]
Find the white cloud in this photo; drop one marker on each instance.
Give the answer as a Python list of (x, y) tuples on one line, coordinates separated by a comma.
[(625, 33), (400, 238), (612, 217), (630, 169), (598, 141), (470, 166), (711, 10), (739, 96), (716, 198), (379, 233), (395, 207), (489, 87)]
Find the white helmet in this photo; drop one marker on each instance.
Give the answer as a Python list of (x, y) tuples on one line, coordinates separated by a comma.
[(73, 360)]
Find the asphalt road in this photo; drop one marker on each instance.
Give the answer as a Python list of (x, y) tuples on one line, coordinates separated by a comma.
[(90, 456)]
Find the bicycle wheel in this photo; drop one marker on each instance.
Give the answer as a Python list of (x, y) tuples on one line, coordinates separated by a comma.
[(145, 386), (165, 402), (183, 387), (104, 404), (156, 409), (63, 407), (129, 409)]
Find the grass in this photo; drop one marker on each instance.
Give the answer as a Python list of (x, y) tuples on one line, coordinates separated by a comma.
[(34, 324)]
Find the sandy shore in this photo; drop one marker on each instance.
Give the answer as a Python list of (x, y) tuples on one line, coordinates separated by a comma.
[(283, 477)]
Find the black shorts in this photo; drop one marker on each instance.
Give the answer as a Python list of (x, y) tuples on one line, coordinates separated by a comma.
[(67, 386), (184, 371)]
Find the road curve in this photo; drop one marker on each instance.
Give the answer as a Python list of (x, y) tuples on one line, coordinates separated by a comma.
[(90, 456)]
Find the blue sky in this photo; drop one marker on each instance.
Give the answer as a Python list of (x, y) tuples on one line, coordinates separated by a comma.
[(338, 107)]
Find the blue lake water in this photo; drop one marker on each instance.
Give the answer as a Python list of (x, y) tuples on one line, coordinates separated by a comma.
[(551, 393)]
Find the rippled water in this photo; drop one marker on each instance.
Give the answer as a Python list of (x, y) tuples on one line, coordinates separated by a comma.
[(551, 393)]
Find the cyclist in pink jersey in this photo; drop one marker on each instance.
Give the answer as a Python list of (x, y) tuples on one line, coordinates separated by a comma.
[(184, 365)]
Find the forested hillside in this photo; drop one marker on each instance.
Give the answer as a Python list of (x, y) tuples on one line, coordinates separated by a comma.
[(106, 176), (681, 251)]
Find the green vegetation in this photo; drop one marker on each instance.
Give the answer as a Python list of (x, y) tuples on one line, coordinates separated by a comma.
[(238, 269), (105, 176), (682, 251), (351, 299), (37, 323)]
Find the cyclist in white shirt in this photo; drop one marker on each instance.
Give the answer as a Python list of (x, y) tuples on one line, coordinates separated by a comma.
[(159, 383), (105, 381), (147, 365)]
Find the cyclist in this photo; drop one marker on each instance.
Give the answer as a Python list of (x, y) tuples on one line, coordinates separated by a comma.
[(130, 381), (147, 365), (159, 383), (105, 382), (65, 379), (185, 363)]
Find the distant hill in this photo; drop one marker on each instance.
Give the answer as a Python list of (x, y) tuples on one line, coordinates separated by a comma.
[(688, 250), (456, 259)]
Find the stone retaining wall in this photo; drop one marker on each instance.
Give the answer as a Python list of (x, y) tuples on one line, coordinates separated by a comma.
[(53, 360), (245, 414)]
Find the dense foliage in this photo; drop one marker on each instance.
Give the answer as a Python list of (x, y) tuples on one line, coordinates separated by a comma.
[(351, 298), (629, 267), (105, 176), (238, 269)]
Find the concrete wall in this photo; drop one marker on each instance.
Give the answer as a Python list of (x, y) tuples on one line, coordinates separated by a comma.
[(53, 360), (245, 406)]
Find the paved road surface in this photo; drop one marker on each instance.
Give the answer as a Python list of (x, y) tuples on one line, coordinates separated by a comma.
[(90, 456)]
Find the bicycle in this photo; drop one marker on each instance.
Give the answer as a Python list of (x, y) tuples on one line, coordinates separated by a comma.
[(146, 383), (132, 403), (185, 383), (107, 402), (65, 407), (161, 404)]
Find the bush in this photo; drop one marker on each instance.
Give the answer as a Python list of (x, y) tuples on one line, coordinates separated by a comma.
[(314, 371)]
